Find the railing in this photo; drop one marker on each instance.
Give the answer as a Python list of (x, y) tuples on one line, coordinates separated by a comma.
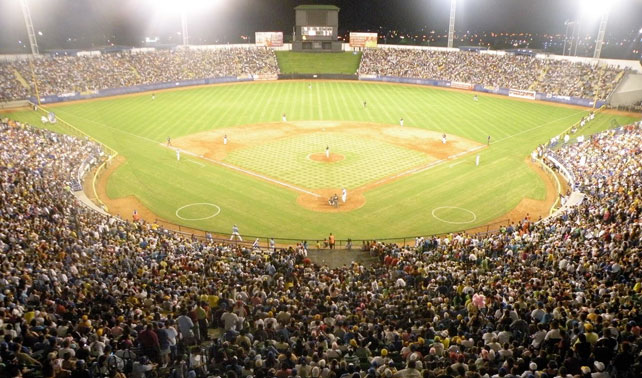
[(265, 241)]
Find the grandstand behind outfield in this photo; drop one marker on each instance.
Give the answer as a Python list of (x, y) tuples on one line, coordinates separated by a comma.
[(91, 74)]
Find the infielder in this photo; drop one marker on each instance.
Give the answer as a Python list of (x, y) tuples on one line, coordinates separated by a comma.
[(235, 233), (178, 154), (443, 138), (401, 122), (283, 118), (327, 152), (344, 195), (225, 139)]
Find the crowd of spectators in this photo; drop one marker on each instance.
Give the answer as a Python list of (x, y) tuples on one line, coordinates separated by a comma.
[(511, 71), (66, 74), (87, 295)]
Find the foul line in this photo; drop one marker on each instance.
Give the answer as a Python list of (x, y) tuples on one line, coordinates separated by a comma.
[(238, 169), (424, 168), (210, 160), (196, 162)]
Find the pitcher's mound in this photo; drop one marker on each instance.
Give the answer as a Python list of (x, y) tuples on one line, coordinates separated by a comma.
[(322, 158)]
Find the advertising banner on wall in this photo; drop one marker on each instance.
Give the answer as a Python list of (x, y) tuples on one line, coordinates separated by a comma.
[(363, 39), (269, 39), (460, 85), (520, 93)]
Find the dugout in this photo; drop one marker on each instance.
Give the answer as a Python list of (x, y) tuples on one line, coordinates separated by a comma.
[(316, 28)]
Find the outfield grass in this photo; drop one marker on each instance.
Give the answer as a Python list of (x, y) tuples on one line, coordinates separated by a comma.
[(318, 63), (137, 126)]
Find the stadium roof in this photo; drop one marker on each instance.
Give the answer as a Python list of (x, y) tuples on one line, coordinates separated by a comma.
[(316, 7)]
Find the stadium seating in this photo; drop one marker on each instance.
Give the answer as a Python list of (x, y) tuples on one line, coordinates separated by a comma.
[(69, 74), (66, 74), (83, 294), (557, 77)]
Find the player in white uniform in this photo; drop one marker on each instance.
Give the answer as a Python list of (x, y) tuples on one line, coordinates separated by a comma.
[(327, 152), (283, 118), (225, 139), (401, 122), (443, 138), (178, 154), (477, 160), (344, 195), (235, 234)]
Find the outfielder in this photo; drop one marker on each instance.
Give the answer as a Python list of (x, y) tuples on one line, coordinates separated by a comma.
[(401, 122), (283, 118), (178, 154)]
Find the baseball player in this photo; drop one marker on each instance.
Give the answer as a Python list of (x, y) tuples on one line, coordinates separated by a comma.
[(283, 118), (225, 139), (235, 234), (401, 122), (169, 141), (443, 138), (327, 152), (178, 154), (344, 195), (477, 161)]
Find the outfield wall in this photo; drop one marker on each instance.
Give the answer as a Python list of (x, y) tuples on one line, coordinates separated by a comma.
[(519, 93), (531, 95), (73, 96)]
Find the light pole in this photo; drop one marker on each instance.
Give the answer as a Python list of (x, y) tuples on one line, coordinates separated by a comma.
[(600, 35), (184, 27), (451, 27), (29, 24), (567, 23)]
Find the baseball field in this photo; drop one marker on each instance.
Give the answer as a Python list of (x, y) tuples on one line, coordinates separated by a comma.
[(273, 177)]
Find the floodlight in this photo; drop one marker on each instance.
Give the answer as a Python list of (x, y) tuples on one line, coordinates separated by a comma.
[(177, 6), (596, 8)]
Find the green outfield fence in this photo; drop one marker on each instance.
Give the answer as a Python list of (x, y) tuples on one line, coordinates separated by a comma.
[(264, 241)]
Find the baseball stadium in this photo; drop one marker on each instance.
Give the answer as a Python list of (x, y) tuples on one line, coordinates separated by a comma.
[(321, 189)]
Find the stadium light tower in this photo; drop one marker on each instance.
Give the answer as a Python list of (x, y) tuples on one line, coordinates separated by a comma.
[(183, 7), (598, 8), (600, 35), (451, 27), (184, 32), (29, 24)]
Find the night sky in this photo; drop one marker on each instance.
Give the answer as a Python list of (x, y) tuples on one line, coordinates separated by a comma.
[(93, 23)]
